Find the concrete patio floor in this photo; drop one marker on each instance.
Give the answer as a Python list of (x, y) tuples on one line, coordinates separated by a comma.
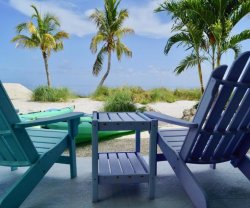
[(225, 187)]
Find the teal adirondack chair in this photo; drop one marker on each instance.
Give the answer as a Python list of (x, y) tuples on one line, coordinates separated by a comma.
[(37, 148), (219, 132)]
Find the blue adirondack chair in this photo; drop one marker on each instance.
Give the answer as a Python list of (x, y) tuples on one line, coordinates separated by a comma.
[(37, 148), (219, 132)]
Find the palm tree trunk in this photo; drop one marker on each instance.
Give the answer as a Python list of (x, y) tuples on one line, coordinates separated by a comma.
[(45, 59), (213, 57), (218, 55), (200, 77), (107, 72)]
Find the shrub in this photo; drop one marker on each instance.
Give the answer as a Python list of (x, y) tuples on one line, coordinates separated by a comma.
[(142, 96), (184, 94), (120, 101), (49, 94), (162, 94), (101, 93)]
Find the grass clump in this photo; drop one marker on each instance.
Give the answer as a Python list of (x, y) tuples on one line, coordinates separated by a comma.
[(142, 96), (183, 94), (49, 94), (162, 95), (101, 93), (120, 101)]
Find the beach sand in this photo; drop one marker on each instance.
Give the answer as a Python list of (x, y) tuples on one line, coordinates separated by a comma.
[(21, 97)]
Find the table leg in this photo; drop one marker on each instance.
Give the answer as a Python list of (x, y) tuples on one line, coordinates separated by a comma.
[(95, 161), (152, 157), (137, 140)]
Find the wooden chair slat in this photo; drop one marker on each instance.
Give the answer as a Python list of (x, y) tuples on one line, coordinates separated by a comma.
[(217, 110), (202, 111), (233, 110)]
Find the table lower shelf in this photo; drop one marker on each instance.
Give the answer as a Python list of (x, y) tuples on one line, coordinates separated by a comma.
[(122, 167)]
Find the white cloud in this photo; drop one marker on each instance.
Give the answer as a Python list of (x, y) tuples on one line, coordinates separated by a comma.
[(71, 21), (141, 17), (147, 23)]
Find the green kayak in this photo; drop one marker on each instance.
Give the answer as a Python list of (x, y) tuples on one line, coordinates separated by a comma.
[(46, 113), (84, 128)]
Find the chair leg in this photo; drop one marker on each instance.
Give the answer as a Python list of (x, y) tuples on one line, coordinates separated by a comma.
[(213, 166), (244, 166), (23, 187), (72, 155), (190, 184), (187, 179), (13, 168)]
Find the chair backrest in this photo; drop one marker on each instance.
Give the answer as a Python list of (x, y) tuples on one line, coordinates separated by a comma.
[(223, 116), (16, 148)]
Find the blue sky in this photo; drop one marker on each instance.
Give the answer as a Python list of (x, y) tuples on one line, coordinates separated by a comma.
[(148, 68)]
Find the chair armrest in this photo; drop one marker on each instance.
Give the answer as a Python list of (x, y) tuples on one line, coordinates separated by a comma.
[(170, 119), (49, 120)]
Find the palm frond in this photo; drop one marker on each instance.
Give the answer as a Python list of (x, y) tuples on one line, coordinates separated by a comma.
[(97, 67), (51, 20), (98, 18), (189, 61), (181, 38), (32, 28), (122, 49), (242, 10), (237, 50), (99, 37), (38, 17), (61, 35), (122, 16), (235, 39), (20, 27), (48, 43), (233, 42), (58, 46), (124, 31), (24, 41)]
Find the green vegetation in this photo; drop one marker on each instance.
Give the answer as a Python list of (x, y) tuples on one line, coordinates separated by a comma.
[(110, 32), (49, 94), (204, 28), (120, 101), (44, 34), (139, 95)]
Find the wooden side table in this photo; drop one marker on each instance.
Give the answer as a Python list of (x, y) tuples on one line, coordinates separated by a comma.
[(123, 167)]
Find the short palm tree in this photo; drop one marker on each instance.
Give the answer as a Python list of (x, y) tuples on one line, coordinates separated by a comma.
[(110, 32), (43, 34), (218, 18), (188, 34)]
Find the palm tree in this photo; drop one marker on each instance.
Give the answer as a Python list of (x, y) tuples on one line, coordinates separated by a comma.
[(188, 35), (218, 18), (44, 35), (110, 32)]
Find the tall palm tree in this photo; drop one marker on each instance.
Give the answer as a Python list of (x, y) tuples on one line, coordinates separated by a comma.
[(188, 34), (110, 32), (43, 34)]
